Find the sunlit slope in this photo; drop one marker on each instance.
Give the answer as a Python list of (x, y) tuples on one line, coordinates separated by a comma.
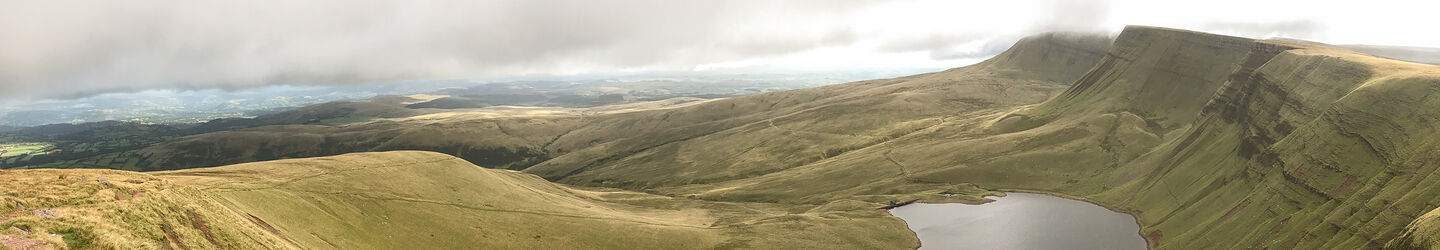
[(110, 209), (1424, 233), (431, 200), (413, 199), (403, 200), (1216, 142)]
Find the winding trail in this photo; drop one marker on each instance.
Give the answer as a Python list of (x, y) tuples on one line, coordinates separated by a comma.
[(903, 172)]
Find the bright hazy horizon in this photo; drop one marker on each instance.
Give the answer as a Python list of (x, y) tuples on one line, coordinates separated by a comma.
[(79, 48)]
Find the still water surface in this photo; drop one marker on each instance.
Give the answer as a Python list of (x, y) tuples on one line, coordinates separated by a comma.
[(1021, 221)]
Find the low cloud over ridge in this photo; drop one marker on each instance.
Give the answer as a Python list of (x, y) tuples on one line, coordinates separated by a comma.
[(75, 48)]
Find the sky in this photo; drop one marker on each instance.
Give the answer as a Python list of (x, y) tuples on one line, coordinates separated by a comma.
[(67, 48)]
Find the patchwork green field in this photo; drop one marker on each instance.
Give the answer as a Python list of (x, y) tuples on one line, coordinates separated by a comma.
[(101, 145), (21, 150)]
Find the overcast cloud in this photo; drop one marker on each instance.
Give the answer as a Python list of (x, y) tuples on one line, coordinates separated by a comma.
[(59, 48)]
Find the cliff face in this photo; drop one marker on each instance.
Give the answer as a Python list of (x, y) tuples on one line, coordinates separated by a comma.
[(1163, 74), (1277, 144)]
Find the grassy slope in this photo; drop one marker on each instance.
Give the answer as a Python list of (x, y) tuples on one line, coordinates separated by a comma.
[(431, 200), (1302, 146), (406, 199), (128, 211)]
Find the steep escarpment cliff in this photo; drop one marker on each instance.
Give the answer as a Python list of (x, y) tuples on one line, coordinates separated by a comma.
[(1294, 145), (1163, 74)]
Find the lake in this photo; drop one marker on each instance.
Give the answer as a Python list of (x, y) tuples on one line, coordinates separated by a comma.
[(1021, 221)]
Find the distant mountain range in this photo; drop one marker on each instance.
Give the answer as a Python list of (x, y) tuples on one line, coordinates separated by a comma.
[(1413, 54), (177, 107)]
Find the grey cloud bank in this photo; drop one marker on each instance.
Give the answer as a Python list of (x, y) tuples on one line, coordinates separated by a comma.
[(101, 46), (77, 48)]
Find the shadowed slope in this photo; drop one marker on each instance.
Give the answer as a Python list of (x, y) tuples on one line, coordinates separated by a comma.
[(497, 137)]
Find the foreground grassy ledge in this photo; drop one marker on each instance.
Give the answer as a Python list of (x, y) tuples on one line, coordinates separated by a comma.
[(403, 199)]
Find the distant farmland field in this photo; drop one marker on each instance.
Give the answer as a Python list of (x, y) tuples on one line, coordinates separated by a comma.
[(12, 150)]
